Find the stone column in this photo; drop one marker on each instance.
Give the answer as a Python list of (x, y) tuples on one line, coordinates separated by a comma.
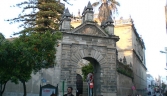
[(109, 74), (68, 71)]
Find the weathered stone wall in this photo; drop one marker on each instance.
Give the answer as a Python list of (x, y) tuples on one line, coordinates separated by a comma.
[(140, 78), (130, 46), (76, 47), (124, 85), (125, 34)]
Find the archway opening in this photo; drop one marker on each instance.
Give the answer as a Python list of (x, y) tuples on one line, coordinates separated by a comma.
[(96, 75), (79, 85)]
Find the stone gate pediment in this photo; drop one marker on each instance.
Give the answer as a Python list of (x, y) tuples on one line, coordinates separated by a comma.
[(89, 28)]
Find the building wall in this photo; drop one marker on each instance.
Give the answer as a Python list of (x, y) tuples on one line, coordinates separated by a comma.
[(139, 67), (124, 86), (137, 46), (132, 48), (125, 35), (127, 53), (75, 23), (139, 75)]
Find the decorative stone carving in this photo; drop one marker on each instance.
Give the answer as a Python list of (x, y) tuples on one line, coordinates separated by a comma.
[(90, 30)]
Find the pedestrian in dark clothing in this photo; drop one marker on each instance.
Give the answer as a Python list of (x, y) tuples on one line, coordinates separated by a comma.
[(69, 92)]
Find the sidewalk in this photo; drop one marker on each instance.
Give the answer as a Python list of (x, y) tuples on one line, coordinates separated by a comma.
[(157, 94)]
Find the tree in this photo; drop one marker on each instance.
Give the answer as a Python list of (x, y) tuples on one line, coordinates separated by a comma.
[(28, 53), (67, 1), (107, 8), (36, 43), (35, 51), (7, 64), (86, 70), (45, 15), (1, 38)]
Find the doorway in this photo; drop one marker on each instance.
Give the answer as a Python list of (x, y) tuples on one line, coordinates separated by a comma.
[(79, 85), (96, 75)]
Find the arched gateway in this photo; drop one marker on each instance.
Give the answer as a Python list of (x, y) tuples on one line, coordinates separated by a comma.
[(94, 43)]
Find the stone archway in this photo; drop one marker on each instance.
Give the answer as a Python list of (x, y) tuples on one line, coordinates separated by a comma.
[(95, 55), (96, 73), (89, 41), (105, 65)]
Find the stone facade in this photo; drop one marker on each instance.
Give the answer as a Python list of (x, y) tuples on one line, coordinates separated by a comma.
[(132, 47), (89, 41), (124, 85), (93, 44)]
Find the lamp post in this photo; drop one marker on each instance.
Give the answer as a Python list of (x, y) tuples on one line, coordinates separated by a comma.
[(165, 52)]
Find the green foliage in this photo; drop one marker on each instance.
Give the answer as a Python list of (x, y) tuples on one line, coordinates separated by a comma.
[(27, 53), (37, 50), (44, 15), (1, 38), (86, 70), (7, 65), (49, 15), (125, 70), (35, 47)]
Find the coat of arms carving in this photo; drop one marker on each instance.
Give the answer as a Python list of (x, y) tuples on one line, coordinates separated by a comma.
[(90, 30)]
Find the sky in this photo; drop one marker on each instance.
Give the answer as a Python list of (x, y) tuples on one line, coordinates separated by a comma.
[(148, 16)]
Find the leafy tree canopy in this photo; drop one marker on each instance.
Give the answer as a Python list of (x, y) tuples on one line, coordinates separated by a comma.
[(86, 70), (25, 54), (39, 15), (35, 47), (7, 65)]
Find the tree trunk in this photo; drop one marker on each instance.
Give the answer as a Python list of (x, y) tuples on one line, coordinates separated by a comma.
[(24, 86), (2, 88)]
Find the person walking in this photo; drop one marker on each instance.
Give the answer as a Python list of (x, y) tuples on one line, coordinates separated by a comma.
[(69, 92), (90, 82)]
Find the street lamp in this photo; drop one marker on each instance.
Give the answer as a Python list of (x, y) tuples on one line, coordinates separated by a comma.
[(165, 52)]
